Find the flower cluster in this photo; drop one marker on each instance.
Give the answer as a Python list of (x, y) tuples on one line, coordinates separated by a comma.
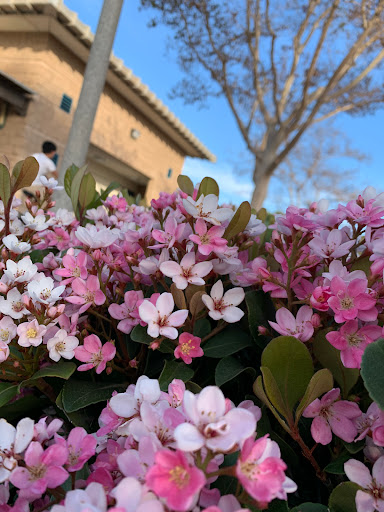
[(163, 452)]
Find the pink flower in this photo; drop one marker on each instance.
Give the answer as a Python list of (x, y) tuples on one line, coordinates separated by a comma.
[(300, 327), (352, 341), (222, 305), (212, 425), (372, 497), (351, 300), (332, 415), (94, 354), (370, 422), (73, 266), (160, 319), (189, 347), (208, 240), (172, 233), (58, 238), (175, 480), (188, 272), (128, 311), (43, 469), (30, 334), (81, 447), (319, 298), (87, 293), (261, 471), (329, 244), (206, 208)]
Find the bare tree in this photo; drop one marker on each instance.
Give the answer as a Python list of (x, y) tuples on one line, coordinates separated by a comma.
[(321, 166), (282, 65)]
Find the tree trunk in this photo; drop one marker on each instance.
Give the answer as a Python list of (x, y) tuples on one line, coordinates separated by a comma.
[(261, 180)]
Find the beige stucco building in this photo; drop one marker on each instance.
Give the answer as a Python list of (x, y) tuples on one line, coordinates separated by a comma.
[(136, 140)]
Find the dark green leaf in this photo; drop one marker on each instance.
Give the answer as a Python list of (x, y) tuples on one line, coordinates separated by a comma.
[(372, 371), (329, 357), (291, 366), (273, 392), (174, 370), (226, 343), (97, 201), (78, 394), (29, 405), (202, 328), (62, 370), (140, 335), (208, 186), (7, 392), (343, 497), (229, 368), (260, 309), (87, 190), (310, 507), (336, 467), (75, 187), (239, 221), (278, 506), (354, 447), (185, 184)]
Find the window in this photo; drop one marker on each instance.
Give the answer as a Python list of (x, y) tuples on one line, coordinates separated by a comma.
[(66, 103), (169, 173)]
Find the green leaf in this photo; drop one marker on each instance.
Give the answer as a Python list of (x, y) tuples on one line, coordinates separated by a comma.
[(260, 309), (239, 221), (273, 392), (354, 447), (261, 395), (103, 195), (27, 406), (5, 184), (208, 186), (321, 383), (343, 498), (291, 365), (310, 507), (363, 264), (27, 173), (336, 467), (62, 370), (185, 184), (226, 343), (202, 328), (174, 370), (278, 506), (140, 335), (87, 190), (7, 392), (75, 186), (68, 178), (229, 368), (372, 371), (329, 357), (78, 394)]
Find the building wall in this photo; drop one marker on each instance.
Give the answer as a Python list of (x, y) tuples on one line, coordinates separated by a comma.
[(42, 63)]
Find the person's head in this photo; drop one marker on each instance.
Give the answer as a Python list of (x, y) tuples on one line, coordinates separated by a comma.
[(49, 149)]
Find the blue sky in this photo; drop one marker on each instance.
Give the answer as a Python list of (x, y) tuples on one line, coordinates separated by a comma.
[(144, 51)]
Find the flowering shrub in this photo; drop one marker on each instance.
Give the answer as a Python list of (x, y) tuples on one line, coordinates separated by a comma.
[(189, 356)]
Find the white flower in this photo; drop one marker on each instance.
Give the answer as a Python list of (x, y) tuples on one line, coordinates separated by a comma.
[(7, 329), (23, 270), (43, 290), (128, 404), (38, 223), (97, 214), (188, 272), (211, 425), (63, 217), (16, 227), (95, 237), (62, 345), (223, 306), (206, 208), (255, 226), (90, 499), (12, 243), (13, 441), (13, 306), (50, 183)]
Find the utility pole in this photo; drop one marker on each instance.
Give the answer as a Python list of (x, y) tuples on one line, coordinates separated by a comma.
[(93, 85)]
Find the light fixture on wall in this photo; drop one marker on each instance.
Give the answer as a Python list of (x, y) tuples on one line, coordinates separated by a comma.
[(135, 134)]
